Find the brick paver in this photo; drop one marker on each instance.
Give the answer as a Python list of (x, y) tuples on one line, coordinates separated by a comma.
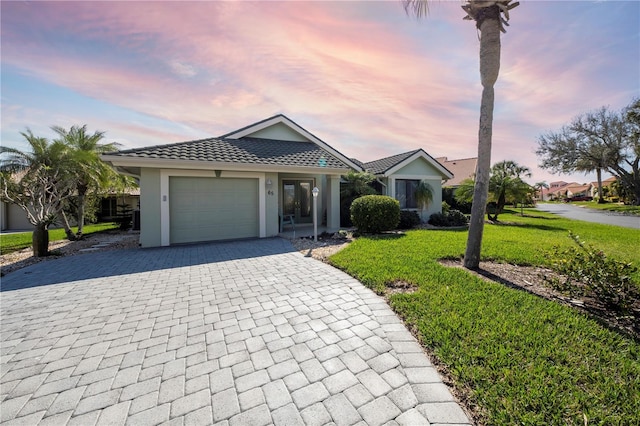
[(237, 333)]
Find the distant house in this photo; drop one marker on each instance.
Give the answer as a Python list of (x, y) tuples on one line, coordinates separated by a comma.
[(583, 190), (605, 184), (13, 218), (463, 168), (561, 190), (244, 183)]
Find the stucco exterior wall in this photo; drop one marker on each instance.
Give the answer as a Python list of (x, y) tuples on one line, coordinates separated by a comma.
[(279, 132), (419, 169), (271, 205), (150, 201)]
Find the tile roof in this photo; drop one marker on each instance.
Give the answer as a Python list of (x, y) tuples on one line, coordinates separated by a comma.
[(462, 169), (242, 151), (380, 166)]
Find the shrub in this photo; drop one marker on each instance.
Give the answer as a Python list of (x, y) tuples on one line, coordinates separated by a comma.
[(375, 213), (445, 207), (451, 218), (408, 219), (588, 271), (457, 218)]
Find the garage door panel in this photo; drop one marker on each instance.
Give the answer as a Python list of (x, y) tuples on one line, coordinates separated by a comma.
[(206, 209)]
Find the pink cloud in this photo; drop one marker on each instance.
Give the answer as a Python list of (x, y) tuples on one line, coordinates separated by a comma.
[(369, 86)]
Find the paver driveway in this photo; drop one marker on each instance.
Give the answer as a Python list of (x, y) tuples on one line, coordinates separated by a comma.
[(242, 333)]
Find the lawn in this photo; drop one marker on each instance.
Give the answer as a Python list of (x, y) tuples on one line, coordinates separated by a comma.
[(18, 241), (610, 207), (519, 358)]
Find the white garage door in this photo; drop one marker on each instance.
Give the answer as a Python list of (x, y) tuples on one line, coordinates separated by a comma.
[(207, 209)]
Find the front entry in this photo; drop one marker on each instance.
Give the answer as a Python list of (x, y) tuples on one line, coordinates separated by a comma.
[(296, 200)]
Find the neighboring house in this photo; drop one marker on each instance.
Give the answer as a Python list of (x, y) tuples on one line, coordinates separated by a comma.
[(561, 190), (605, 184), (556, 191), (245, 183), (400, 174), (13, 218), (583, 190), (463, 168), (111, 205)]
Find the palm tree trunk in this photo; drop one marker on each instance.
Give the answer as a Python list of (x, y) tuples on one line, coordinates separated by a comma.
[(67, 229), (82, 190), (599, 175), (40, 240), (489, 70)]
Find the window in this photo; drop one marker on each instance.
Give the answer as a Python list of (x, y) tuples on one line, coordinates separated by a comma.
[(406, 193)]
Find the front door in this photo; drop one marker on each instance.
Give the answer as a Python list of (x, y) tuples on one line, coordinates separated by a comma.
[(296, 200)]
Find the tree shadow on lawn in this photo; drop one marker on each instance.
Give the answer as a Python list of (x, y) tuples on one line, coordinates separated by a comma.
[(531, 226)]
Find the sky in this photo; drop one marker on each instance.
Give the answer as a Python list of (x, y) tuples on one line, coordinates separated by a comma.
[(363, 76)]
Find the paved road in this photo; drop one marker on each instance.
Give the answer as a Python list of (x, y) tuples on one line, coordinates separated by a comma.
[(590, 215), (242, 333)]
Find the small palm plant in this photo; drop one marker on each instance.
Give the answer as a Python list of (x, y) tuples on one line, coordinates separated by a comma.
[(424, 196)]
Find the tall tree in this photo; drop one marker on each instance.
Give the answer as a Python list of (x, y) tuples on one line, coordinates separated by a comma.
[(539, 186), (490, 17), (89, 171), (38, 183), (506, 184), (596, 141)]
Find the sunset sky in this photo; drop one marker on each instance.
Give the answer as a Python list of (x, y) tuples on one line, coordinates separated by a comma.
[(362, 76)]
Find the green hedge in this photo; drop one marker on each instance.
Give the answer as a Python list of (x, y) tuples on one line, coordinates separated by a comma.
[(375, 213)]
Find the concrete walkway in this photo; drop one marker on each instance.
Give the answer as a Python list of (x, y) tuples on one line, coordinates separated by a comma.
[(242, 333)]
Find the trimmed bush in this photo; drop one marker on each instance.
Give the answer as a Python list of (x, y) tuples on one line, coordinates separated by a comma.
[(408, 219), (451, 218), (375, 213)]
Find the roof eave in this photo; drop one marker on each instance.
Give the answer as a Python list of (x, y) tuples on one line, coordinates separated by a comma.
[(128, 163)]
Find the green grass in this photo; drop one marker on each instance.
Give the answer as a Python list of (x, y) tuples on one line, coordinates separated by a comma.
[(610, 207), (18, 241), (520, 358)]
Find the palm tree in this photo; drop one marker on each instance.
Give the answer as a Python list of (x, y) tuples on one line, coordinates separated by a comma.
[(424, 195), (490, 17), (89, 170), (506, 182), (37, 182), (539, 186)]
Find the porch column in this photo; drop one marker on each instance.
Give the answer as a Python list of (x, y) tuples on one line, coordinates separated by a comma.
[(333, 203)]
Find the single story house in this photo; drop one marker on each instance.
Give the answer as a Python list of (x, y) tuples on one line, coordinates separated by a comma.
[(246, 183)]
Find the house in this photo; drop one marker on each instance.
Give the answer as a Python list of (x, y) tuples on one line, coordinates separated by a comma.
[(400, 174), (112, 204), (605, 184), (561, 190), (556, 191), (578, 191), (463, 168), (248, 182), (13, 218)]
